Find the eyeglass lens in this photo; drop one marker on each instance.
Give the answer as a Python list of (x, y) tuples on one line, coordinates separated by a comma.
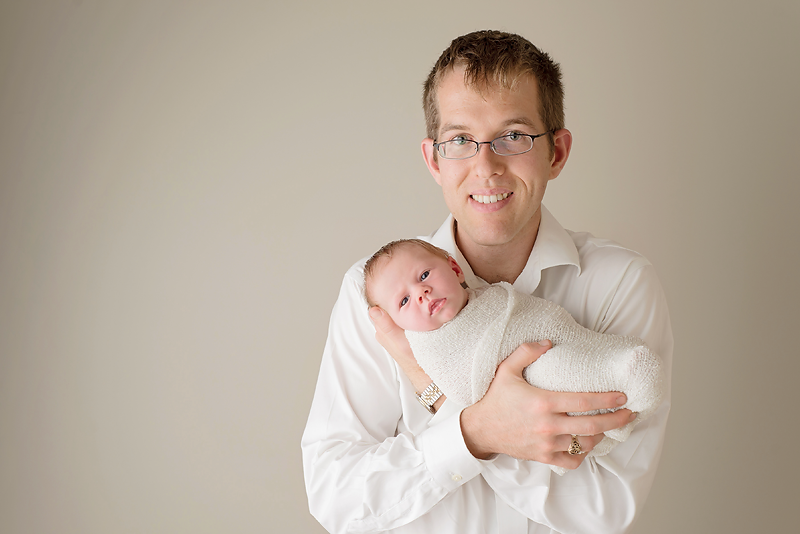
[(507, 145)]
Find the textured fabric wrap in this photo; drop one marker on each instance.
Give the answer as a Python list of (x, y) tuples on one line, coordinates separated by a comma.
[(461, 357)]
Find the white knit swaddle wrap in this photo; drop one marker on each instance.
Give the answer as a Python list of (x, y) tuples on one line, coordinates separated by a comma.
[(461, 357)]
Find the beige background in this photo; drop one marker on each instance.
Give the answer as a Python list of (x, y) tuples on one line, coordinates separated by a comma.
[(184, 184)]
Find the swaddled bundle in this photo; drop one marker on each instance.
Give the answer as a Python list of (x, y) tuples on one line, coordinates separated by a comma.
[(461, 357)]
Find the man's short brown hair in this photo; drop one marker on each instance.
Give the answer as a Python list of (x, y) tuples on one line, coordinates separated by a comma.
[(386, 251), (492, 57)]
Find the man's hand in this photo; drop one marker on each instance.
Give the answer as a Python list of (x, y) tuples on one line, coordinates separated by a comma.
[(529, 423), (393, 339)]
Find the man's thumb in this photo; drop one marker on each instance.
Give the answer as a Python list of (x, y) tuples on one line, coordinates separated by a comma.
[(381, 320), (525, 355)]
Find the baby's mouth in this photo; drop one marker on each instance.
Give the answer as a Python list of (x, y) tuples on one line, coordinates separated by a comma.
[(436, 305), (489, 199)]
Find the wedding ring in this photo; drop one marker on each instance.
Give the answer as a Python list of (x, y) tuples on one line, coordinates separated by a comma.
[(575, 446)]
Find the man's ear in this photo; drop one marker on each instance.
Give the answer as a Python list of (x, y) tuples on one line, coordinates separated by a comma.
[(562, 144), (429, 155), (456, 269)]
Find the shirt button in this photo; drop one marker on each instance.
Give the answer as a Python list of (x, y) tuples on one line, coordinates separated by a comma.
[(456, 478)]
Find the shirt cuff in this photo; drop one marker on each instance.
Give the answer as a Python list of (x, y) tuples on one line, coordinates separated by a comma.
[(446, 455), (446, 411)]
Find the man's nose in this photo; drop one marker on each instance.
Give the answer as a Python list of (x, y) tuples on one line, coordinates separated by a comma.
[(487, 163)]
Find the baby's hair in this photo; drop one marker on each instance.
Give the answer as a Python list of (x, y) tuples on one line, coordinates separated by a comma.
[(386, 251)]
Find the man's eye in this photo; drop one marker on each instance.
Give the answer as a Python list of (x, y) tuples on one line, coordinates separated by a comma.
[(460, 140), (424, 275), (514, 136), (404, 302)]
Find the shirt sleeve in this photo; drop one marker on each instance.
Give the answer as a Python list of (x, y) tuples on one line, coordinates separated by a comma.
[(604, 493), (367, 468)]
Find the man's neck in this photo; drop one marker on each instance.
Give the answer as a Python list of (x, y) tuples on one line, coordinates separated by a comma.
[(500, 263)]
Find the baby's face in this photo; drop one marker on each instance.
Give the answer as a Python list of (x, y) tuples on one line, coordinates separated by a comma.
[(418, 289)]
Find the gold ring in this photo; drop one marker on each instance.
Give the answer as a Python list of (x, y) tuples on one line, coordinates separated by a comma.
[(575, 446)]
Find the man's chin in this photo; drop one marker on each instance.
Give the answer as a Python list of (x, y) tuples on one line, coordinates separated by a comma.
[(493, 231), (486, 237)]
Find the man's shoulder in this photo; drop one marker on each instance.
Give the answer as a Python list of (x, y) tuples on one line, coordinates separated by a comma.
[(614, 281), (356, 271), (605, 254), (352, 288)]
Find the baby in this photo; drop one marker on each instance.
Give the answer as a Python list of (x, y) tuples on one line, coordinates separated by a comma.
[(459, 335)]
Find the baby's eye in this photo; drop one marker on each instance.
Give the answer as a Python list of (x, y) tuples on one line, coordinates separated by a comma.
[(404, 302), (424, 275)]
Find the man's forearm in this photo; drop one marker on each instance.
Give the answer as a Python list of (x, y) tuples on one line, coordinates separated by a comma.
[(364, 468)]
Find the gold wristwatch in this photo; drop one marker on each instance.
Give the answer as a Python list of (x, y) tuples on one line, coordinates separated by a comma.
[(429, 397)]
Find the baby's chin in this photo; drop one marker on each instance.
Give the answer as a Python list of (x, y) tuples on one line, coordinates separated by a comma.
[(417, 327), (428, 327)]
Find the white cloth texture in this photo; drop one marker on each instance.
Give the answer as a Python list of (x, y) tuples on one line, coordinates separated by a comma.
[(462, 355), (374, 460)]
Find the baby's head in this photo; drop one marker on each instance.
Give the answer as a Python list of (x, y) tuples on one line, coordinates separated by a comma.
[(417, 284)]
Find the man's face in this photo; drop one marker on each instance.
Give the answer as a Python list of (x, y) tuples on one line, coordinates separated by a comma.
[(495, 199), (418, 289)]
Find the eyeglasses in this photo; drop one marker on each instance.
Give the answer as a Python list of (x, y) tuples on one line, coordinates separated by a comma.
[(505, 145)]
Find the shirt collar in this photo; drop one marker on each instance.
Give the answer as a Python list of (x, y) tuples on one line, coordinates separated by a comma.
[(553, 247), (445, 239)]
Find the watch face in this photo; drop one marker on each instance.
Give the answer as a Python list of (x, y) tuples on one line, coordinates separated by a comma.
[(431, 393), (428, 397)]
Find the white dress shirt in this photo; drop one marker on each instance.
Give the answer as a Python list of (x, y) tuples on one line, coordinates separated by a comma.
[(375, 460)]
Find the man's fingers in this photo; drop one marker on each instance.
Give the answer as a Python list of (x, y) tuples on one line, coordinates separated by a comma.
[(587, 402), (529, 423), (587, 442), (388, 333), (590, 425), (523, 356), (561, 456), (393, 339), (383, 323)]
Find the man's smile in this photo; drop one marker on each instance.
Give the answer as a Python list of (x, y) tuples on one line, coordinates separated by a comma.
[(489, 199), (483, 203)]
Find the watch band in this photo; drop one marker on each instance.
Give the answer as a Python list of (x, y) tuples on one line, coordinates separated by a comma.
[(429, 397)]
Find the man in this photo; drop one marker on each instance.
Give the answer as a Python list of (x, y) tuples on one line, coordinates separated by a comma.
[(376, 460)]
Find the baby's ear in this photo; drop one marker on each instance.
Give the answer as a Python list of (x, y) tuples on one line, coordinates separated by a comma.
[(456, 268)]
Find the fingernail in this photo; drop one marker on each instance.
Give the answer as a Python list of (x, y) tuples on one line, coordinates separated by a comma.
[(633, 416), (374, 313), (621, 400), (544, 343)]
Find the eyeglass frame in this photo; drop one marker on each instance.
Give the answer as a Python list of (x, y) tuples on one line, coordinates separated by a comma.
[(491, 145)]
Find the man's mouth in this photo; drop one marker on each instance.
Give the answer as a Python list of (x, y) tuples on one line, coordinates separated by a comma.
[(489, 199), (436, 305)]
